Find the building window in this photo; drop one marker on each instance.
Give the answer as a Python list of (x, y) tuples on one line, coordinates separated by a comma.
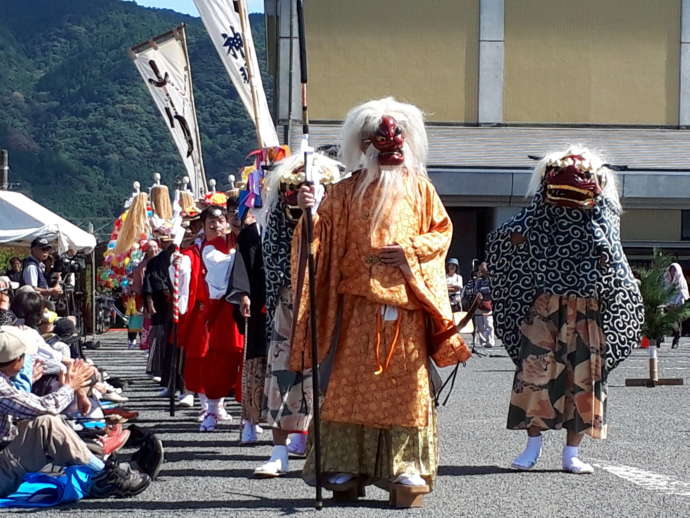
[(685, 225)]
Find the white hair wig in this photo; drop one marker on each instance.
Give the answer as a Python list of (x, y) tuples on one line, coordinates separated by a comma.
[(592, 162), (362, 121), (329, 171)]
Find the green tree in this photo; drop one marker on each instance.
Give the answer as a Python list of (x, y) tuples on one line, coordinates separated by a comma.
[(660, 317)]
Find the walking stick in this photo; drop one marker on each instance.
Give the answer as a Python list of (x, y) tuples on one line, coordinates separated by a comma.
[(174, 357), (309, 234), (245, 383)]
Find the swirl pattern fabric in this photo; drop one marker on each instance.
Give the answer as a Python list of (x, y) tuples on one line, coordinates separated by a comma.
[(564, 251), (276, 247)]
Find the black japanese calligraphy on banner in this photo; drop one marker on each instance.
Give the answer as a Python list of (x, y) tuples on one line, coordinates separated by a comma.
[(163, 63), (227, 24), (235, 47), (170, 109)]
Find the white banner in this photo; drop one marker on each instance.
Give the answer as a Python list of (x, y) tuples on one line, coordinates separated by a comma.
[(236, 50), (164, 65)]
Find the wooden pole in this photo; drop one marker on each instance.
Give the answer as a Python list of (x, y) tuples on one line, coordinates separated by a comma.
[(311, 267), (653, 380)]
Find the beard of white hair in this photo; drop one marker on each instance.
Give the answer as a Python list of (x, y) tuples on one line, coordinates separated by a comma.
[(391, 183)]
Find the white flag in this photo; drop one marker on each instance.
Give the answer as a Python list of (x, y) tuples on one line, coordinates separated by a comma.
[(164, 65), (236, 50)]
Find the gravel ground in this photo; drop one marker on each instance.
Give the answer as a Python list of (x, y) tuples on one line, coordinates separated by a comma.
[(643, 469)]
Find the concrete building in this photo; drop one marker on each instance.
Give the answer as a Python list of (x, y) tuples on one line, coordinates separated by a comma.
[(501, 79)]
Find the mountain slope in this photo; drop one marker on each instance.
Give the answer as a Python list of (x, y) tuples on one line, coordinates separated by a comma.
[(76, 116)]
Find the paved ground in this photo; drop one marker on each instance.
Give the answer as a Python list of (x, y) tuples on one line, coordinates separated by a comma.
[(643, 469)]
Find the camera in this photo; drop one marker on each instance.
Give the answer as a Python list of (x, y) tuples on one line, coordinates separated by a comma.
[(67, 264)]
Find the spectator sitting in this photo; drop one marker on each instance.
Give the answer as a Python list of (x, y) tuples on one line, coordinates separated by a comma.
[(33, 268), (14, 272), (66, 331), (29, 306), (47, 330), (41, 436)]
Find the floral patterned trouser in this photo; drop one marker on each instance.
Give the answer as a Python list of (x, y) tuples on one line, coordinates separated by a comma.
[(560, 380)]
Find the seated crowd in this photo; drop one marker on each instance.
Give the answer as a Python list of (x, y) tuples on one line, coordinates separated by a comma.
[(56, 406)]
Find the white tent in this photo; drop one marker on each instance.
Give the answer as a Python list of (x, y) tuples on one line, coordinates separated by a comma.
[(22, 220)]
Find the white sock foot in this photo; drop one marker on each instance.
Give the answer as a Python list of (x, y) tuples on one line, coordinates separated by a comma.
[(223, 414), (572, 464), (186, 400), (410, 479), (530, 455), (297, 444), (248, 433), (209, 423), (340, 478), (276, 466)]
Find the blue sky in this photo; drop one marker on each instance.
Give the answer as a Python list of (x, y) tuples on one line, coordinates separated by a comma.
[(187, 6)]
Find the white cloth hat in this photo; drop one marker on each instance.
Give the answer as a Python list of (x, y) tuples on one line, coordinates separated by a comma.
[(6, 283), (14, 342)]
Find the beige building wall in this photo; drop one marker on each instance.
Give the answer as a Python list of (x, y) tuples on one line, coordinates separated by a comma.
[(592, 61), (651, 225), (422, 52)]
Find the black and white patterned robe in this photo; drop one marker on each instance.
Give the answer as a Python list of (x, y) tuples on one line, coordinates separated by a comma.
[(566, 251)]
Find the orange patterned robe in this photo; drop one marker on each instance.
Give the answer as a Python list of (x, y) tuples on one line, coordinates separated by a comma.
[(353, 288)]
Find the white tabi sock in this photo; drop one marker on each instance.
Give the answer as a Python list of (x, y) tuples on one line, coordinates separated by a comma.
[(340, 478), (569, 452), (530, 455), (410, 479), (203, 402), (212, 406), (573, 464)]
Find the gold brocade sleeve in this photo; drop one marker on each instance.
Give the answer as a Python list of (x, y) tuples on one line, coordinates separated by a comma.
[(425, 255), (330, 223)]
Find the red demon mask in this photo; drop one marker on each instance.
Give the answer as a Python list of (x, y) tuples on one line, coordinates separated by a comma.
[(388, 140), (571, 186), (289, 188)]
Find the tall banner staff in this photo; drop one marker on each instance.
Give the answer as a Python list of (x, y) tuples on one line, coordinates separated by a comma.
[(175, 356), (309, 233)]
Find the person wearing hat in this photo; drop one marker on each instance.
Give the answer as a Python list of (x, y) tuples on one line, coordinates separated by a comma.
[(454, 283), (40, 436), (66, 331), (215, 371), (47, 330), (33, 268)]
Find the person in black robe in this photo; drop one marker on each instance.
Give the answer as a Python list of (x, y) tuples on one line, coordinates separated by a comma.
[(254, 368), (157, 291)]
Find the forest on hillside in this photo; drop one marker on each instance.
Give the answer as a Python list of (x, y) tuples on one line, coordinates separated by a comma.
[(76, 117)]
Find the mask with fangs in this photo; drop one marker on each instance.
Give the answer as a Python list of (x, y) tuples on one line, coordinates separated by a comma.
[(388, 141), (571, 185)]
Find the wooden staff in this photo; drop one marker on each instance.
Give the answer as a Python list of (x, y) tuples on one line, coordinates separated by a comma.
[(174, 356), (245, 382), (309, 234)]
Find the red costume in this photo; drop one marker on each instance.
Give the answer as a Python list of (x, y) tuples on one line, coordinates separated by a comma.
[(207, 330)]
